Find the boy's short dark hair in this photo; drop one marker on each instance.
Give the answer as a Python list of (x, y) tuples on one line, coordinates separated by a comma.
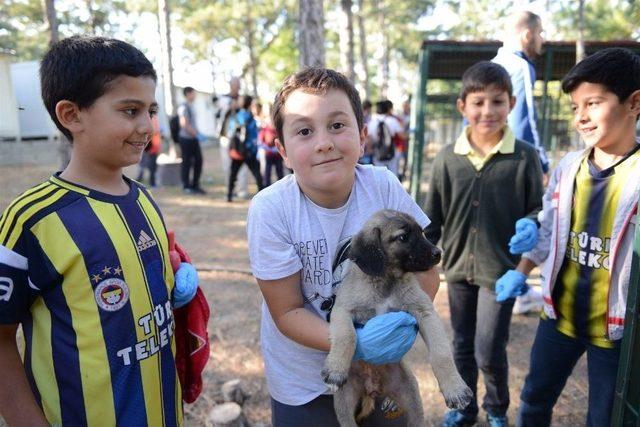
[(615, 68), (245, 101), (187, 90), (384, 107), (483, 74), (366, 104), (318, 81), (80, 68)]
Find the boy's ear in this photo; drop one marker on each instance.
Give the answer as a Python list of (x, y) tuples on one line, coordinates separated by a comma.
[(283, 152), (634, 102), (67, 113), (364, 132), (512, 103), (460, 106)]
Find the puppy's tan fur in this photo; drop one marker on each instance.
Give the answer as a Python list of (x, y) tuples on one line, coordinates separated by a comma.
[(380, 279)]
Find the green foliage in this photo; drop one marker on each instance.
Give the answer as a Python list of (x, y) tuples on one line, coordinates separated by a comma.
[(603, 19)]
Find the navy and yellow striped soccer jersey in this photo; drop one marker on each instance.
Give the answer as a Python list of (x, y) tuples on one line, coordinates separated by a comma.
[(87, 275), (581, 292)]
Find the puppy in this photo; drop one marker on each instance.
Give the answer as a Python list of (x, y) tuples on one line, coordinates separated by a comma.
[(379, 279)]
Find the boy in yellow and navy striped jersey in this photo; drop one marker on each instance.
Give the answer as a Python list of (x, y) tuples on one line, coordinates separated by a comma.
[(584, 248), (84, 258)]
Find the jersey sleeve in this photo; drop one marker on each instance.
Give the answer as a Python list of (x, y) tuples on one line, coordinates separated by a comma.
[(16, 289), (271, 252)]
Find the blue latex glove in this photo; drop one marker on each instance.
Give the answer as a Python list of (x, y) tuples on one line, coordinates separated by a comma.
[(512, 284), (386, 338), (201, 137), (186, 284), (525, 238)]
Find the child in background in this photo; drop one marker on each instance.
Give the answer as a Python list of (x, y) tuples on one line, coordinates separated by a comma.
[(272, 158), (480, 186), (584, 245)]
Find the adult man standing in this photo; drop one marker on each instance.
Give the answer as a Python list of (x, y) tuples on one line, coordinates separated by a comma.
[(189, 138), (228, 106), (522, 44)]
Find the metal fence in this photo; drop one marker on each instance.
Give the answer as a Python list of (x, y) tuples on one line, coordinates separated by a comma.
[(626, 408)]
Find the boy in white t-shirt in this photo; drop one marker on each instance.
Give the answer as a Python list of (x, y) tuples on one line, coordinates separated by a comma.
[(298, 229)]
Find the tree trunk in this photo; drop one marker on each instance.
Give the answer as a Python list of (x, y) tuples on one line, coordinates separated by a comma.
[(580, 38), (384, 59), (167, 67), (363, 49), (252, 48), (52, 20), (346, 40), (311, 33)]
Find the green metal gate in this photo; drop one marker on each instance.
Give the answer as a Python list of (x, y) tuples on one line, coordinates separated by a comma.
[(626, 408)]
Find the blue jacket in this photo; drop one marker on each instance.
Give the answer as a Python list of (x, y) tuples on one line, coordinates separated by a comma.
[(522, 119), (241, 118)]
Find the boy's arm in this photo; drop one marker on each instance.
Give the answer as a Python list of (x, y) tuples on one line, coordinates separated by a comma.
[(430, 281), (186, 124), (546, 219), (17, 403), (535, 189), (286, 306)]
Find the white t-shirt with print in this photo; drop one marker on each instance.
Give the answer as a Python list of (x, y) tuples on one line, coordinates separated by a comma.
[(289, 233)]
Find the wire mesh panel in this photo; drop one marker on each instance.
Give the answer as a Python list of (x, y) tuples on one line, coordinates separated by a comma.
[(626, 408)]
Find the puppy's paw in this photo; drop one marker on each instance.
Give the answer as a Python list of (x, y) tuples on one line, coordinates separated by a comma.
[(334, 379), (459, 397)]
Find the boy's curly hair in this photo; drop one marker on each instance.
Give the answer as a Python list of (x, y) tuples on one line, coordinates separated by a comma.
[(80, 68), (317, 81)]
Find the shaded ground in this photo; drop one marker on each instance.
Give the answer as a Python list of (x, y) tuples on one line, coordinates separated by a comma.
[(213, 231)]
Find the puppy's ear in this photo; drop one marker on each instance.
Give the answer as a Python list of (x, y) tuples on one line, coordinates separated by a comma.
[(366, 251)]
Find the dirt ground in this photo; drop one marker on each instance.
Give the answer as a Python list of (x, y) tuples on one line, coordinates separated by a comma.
[(213, 231)]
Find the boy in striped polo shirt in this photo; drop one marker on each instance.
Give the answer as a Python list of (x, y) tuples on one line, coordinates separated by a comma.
[(585, 238), (84, 258)]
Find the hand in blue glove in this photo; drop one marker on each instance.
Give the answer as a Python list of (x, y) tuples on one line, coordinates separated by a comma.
[(525, 238), (386, 338), (186, 284), (512, 284)]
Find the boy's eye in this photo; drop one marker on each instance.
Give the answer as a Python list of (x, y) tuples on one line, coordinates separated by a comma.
[(304, 132), (153, 113), (337, 126), (130, 111)]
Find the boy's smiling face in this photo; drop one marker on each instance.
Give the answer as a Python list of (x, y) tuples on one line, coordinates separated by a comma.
[(487, 112), (322, 144), (113, 132), (601, 119)]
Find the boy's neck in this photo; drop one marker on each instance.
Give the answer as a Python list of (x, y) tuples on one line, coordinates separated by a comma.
[(484, 143), (95, 178), (606, 157)]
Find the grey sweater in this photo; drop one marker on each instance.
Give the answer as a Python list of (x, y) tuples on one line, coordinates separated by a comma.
[(474, 212)]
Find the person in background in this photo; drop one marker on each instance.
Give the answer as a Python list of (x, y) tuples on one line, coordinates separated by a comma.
[(244, 124), (272, 158), (190, 144), (367, 157), (149, 159), (228, 107), (522, 45)]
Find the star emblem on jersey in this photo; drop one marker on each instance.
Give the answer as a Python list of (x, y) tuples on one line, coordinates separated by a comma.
[(144, 241), (111, 294)]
